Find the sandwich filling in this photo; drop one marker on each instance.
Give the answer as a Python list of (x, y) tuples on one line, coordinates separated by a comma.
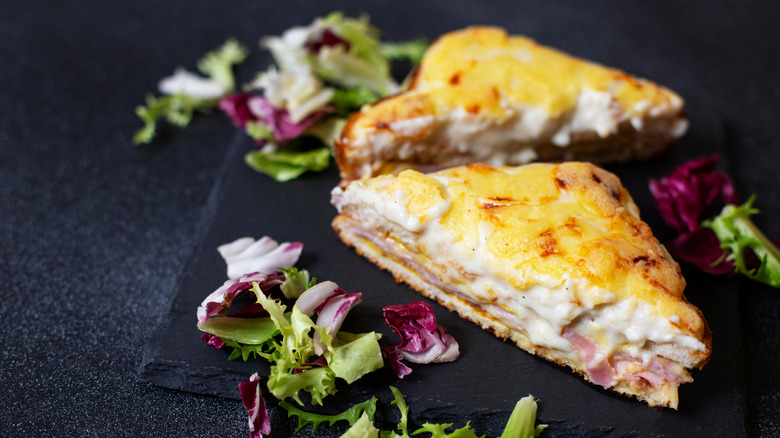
[(538, 255)]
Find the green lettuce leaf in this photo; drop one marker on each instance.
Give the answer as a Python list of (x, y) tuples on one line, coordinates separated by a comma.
[(218, 64), (318, 382), (243, 330), (354, 355), (285, 165), (245, 351), (363, 428), (522, 420), (328, 130), (738, 235), (363, 40), (411, 51), (177, 109), (438, 431), (296, 282), (352, 99), (351, 415), (259, 131), (403, 423)]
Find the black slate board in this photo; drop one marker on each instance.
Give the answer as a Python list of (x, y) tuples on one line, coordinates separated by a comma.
[(491, 375)]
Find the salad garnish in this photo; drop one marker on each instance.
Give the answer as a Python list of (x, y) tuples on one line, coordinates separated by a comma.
[(422, 339), (521, 423), (186, 93), (724, 243), (307, 353), (293, 110)]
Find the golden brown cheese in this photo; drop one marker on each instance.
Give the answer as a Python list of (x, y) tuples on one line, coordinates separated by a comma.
[(551, 221), (480, 95), (481, 67)]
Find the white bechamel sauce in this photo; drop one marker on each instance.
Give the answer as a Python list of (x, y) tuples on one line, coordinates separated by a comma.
[(411, 127), (544, 309), (498, 139)]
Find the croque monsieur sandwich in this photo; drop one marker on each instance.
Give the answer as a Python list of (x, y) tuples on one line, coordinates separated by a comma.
[(551, 256), (480, 95)]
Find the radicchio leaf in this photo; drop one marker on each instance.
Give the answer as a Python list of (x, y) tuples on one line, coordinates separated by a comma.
[(265, 255), (235, 107), (315, 297), (393, 358), (252, 398), (244, 108), (702, 249), (219, 300), (422, 340), (326, 39), (213, 340), (686, 195), (684, 198), (284, 128), (332, 315)]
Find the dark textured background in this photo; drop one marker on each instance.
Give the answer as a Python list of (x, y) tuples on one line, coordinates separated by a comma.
[(94, 231)]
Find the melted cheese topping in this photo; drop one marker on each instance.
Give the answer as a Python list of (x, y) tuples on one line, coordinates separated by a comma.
[(548, 243), (484, 68), (483, 96)]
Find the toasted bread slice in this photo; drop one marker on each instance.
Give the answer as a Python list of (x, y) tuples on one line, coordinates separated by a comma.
[(551, 256), (480, 95)]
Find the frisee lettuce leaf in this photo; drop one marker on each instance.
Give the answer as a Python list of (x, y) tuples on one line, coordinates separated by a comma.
[(296, 282), (439, 431), (363, 428), (283, 382), (739, 236), (177, 109), (363, 40), (285, 164), (218, 64), (411, 51), (288, 375), (246, 351), (403, 422), (351, 415), (522, 421)]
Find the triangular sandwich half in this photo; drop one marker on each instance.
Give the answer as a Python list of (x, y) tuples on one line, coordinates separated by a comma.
[(551, 256), (480, 95)]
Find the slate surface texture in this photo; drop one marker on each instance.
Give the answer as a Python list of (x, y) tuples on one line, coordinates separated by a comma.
[(98, 236)]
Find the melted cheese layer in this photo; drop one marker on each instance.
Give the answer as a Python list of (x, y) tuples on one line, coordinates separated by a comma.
[(554, 245)]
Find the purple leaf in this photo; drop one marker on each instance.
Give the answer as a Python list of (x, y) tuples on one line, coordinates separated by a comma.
[(221, 299), (332, 315), (690, 192), (327, 39), (702, 248), (422, 340), (393, 358), (279, 119), (313, 298), (252, 398), (235, 107), (213, 340)]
